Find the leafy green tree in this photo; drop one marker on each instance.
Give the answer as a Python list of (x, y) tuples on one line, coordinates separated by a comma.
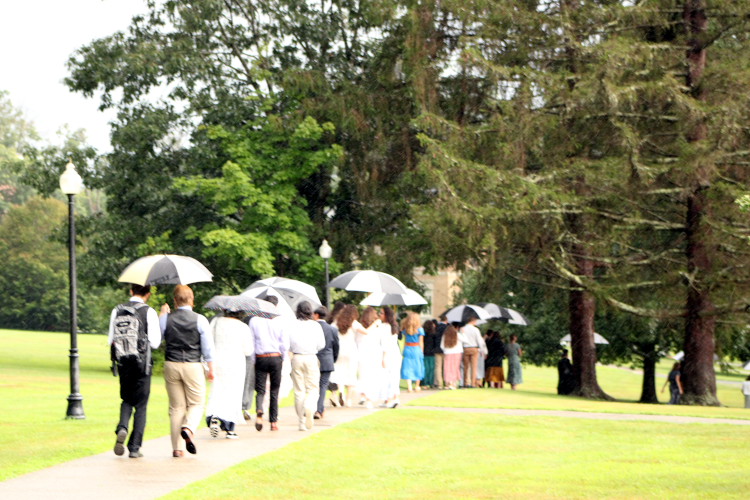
[(15, 133)]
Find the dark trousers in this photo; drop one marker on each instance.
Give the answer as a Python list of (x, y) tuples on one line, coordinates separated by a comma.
[(264, 368), (247, 394), (135, 387), (324, 378), (675, 396)]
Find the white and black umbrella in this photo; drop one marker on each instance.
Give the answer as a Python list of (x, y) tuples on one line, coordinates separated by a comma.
[(511, 316), (368, 281), (236, 303), (464, 313), (681, 355), (598, 339), (410, 298), (165, 270), (289, 292)]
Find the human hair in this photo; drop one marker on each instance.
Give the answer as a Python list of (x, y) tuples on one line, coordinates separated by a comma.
[(676, 366), (240, 315), (140, 290), (390, 318), (183, 296), (368, 316), (346, 318), (748, 377), (513, 338), (450, 337), (429, 327), (443, 318), (337, 307), (410, 323), (273, 299), (564, 353), (322, 312), (304, 310)]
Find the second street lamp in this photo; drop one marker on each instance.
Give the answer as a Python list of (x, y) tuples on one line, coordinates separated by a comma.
[(71, 184), (326, 251)]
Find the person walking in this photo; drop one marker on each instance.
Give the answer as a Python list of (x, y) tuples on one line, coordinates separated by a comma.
[(430, 345), (233, 344), (271, 346), (513, 353), (327, 357), (133, 320), (675, 385), (306, 339), (565, 384), (439, 355), (472, 346), (187, 336), (345, 369), (494, 362), (746, 391), (452, 346), (388, 331), (370, 358), (412, 365)]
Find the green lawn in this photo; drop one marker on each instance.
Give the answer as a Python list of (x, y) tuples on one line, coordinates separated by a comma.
[(539, 392), (423, 454), (34, 382)]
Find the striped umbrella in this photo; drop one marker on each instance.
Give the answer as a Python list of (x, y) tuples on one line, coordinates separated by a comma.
[(464, 313), (368, 281), (511, 316), (410, 298), (165, 270), (237, 303)]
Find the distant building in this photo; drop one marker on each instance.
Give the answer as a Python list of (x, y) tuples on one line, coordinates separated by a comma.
[(439, 290)]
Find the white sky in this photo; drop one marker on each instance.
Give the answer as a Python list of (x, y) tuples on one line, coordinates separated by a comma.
[(36, 39)]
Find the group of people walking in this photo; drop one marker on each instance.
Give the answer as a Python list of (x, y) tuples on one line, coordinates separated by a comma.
[(351, 354)]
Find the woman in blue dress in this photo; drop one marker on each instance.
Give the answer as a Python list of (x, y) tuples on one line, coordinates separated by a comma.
[(412, 366)]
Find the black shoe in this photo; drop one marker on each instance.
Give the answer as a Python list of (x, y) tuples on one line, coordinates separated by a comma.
[(189, 445), (135, 454), (119, 448)]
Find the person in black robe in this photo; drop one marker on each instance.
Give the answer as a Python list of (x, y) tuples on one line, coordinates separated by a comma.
[(565, 375)]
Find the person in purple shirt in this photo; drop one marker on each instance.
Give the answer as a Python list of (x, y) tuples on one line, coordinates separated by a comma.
[(271, 347)]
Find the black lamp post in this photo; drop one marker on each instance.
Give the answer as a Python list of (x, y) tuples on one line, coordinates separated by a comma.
[(71, 184), (326, 251)]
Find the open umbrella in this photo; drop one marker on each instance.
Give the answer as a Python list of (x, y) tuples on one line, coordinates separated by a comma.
[(410, 298), (462, 314), (165, 270), (513, 317), (681, 355), (236, 303), (598, 339), (289, 292), (368, 281)]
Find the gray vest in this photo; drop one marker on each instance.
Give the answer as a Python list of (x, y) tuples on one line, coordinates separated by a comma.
[(182, 339)]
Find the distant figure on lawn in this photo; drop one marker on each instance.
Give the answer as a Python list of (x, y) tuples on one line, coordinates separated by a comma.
[(746, 391), (188, 338), (306, 340), (565, 384), (474, 347), (439, 354), (133, 332), (675, 386), (233, 344), (452, 346), (431, 344), (271, 347), (327, 357), (513, 352), (412, 365), (494, 363)]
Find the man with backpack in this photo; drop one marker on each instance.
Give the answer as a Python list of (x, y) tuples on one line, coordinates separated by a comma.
[(133, 332)]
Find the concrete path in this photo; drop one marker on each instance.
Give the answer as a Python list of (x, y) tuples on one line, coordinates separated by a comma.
[(107, 476), (672, 419)]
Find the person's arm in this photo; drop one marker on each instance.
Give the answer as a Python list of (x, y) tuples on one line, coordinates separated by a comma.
[(111, 334), (679, 384), (520, 352), (335, 343), (153, 329), (321, 337), (207, 345), (248, 345), (665, 385), (163, 320), (421, 343)]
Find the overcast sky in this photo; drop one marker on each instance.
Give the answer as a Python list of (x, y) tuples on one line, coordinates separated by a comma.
[(36, 39)]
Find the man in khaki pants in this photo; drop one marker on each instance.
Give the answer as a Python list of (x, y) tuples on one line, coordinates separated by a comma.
[(188, 337), (306, 338), (439, 355), (473, 342)]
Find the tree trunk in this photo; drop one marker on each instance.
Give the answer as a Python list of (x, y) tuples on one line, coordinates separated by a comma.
[(697, 372), (648, 391)]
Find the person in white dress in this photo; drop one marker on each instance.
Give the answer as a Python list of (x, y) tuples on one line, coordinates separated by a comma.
[(232, 343), (345, 368), (370, 358), (391, 361), (306, 338)]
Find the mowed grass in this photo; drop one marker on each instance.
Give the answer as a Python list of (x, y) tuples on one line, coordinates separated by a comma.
[(539, 392), (428, 454), (34, 384)]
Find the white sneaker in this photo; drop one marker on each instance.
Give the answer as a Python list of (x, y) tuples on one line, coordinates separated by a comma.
[(382, 405), (214, 427), (302, 427), (393, 403), (309, 419), (232, 435), (368, 405), (362, 401), (348, 403)]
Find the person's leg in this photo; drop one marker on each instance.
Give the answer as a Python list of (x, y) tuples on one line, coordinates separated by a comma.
[(298, 384), (465, 361), (261, 374), (139, 419), (408, 385), (322, 388), (311, 374), (275, 376), (438, 371), (195, 392), (177, 403), (429, 371), (474, 357), (247, 394)]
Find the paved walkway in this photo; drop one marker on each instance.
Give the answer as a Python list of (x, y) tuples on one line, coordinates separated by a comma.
[(672, 419)]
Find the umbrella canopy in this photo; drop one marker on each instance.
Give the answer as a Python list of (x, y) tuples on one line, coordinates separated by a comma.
[(165, 270), (462, 314), (368, 281), (512, 316), (598, 339), (236, 303), (681, 355), (289, 292), (747, 366), (410, 298)]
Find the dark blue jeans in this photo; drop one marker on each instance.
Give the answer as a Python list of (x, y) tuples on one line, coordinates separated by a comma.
[(324, 378)]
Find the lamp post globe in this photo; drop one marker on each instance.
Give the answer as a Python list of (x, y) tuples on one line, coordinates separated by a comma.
[(325, 251), (71, 184)]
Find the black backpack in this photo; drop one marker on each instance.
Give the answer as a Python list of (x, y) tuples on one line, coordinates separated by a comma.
[(130, 343)]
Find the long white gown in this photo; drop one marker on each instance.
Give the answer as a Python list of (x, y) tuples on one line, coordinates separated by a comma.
[(370, 362), (391, 376), (345, 368), (232, 342)]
